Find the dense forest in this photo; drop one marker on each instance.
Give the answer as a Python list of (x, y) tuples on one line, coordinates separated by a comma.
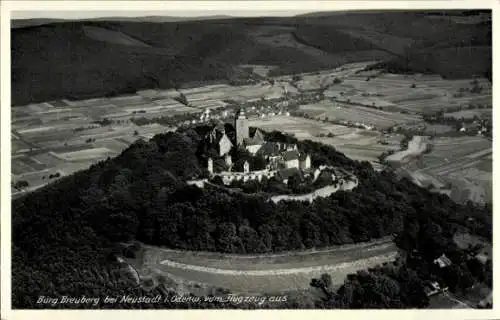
[(85, 59), (64, 233)]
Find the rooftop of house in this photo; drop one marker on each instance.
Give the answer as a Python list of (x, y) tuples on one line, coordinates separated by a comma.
[(257, 138), (443, 261), (290, 155), (269, 149)]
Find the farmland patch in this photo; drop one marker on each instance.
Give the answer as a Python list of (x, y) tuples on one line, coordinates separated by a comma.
[(88, 154)]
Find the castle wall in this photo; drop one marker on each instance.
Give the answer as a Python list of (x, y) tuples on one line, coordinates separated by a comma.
[(292, 164)]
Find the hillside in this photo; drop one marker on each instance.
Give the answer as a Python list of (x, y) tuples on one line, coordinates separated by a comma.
[(141, 195), (23, 23), (96, 58)]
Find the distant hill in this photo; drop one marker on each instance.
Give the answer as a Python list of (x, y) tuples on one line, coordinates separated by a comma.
[(23, 23), (53, 59)]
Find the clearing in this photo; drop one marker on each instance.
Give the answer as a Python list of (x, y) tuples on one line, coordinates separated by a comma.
[(112, 36)]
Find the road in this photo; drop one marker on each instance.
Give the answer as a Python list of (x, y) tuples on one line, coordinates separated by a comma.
[(271, 273)]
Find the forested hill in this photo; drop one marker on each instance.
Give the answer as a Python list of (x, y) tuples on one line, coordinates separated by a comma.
[(62, 234), (81, 59)]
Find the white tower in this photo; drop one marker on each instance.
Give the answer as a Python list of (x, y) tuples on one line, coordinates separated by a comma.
[(210, 166), (246, 167), (228, 159), (241, 125), (308, 162)]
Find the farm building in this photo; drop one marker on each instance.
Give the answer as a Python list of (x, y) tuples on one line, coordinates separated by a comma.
[(443, 261)]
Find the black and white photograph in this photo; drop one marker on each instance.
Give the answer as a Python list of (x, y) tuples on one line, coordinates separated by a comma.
[(249, 159)]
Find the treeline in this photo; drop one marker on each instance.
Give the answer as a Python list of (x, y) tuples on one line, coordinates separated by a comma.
[(62, 233)]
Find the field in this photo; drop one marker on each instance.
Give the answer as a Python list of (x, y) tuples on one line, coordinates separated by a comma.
[(470, 114), (273, 273), (213, 96), (355, 114), (358, 144), (299, 127), (64, 136), (414, 93), (462, 165)]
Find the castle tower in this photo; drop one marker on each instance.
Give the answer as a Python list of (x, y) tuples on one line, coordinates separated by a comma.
[(246, 167), (229, 161), (308, 162), (210, 166), (241, 125), (305, 162)]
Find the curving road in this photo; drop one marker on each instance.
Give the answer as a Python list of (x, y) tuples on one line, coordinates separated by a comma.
[(270, 273)]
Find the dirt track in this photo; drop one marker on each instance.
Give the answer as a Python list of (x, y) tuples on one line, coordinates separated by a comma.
[(267, 273)]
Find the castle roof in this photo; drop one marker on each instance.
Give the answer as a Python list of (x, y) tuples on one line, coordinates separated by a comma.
[(269, 149), (303, 157), (290, 155), (256, 139), (241, 114)]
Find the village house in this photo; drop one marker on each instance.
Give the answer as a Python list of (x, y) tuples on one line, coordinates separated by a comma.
[(443, 261), (433, 288)]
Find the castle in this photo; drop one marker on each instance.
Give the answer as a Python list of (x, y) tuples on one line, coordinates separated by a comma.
[(282, 160)]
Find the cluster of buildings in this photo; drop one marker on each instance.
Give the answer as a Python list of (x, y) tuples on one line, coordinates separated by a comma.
[(282, 160), (209, 114)]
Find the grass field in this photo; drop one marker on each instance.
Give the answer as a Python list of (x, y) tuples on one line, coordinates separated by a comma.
[(273, 273), (463, 162), (470, 114), (413, 93), (44, 141), (83, 155), (356, 114), (300, 127)]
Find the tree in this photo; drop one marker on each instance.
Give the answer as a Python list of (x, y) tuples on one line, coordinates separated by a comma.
[(182, 99), (21, 184), (227, 239), (293, 183), (217, 180), (251, 240)]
